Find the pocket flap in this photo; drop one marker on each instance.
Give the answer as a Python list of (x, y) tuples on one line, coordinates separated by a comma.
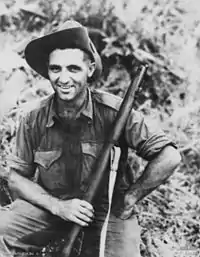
[(46, 158), (91, 148)]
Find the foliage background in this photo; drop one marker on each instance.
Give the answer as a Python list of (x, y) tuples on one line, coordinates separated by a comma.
[(166, 35)]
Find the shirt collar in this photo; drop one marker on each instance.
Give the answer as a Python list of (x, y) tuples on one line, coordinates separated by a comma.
[(51, 112), (87, 110)]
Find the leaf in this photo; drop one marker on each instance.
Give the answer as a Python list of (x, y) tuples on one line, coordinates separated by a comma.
[(10, 60), (11, 92), (3, 9), (33, 9), (164, 250), (128, 11)]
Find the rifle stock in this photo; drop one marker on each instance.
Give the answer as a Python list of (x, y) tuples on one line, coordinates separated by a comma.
[(100, 165)]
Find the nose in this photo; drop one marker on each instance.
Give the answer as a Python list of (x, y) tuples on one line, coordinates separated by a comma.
[(64, 77)]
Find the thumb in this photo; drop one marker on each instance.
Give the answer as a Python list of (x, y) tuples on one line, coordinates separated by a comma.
[(129, 211)]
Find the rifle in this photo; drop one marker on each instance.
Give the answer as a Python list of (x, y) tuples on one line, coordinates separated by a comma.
[(101, 163)]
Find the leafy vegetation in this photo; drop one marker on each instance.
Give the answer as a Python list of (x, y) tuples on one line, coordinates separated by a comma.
[(164, 34)]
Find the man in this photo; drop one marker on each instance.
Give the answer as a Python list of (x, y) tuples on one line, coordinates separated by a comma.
[(61, 138)]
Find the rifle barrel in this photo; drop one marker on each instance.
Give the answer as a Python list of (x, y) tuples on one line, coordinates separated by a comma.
[(101, 163)]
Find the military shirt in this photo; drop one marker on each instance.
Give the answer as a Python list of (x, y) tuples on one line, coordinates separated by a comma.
[(64, 154)]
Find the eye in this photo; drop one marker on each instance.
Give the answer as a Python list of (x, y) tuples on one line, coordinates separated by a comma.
[(74, 68), (54, 68)]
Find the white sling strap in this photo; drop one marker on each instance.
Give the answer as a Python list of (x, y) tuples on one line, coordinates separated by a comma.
[(115, 156)]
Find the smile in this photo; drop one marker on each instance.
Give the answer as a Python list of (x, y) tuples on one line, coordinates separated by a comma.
[(65, 87)]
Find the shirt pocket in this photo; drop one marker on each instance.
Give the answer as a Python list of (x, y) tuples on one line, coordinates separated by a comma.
[(45, 159), (49, 167), (90, 153)]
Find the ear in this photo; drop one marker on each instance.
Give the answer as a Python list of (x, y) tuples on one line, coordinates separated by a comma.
[(91, 69)]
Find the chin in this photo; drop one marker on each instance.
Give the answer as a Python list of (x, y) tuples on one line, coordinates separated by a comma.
[(66, 98)]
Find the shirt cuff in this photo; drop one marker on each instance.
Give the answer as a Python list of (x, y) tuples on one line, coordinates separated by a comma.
[(153, 146)]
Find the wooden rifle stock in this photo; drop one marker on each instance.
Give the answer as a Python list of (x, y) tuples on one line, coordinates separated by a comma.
[(100, 165)]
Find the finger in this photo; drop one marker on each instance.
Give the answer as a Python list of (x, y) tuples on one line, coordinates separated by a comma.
[(134, 209), (79, 221), (125, 214), (87, 212), (128, 212), (87, 205), (83, 217)]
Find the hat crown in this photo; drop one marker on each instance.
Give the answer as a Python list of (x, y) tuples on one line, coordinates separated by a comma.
[(70, 24)]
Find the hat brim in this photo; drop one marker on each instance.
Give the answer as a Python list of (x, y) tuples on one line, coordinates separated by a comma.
[(37, 51)]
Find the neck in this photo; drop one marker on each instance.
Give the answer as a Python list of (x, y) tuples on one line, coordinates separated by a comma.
[(70, 110)]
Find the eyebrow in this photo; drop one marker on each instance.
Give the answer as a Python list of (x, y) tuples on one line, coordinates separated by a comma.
[(74, 66), (54, 66)]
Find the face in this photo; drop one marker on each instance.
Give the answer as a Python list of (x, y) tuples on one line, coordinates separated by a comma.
[(68, 72)]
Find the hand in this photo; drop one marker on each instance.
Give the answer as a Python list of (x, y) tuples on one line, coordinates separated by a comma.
[(125, 206), (130, 207), (76, 210)]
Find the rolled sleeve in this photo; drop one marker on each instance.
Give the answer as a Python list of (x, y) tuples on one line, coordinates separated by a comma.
[(21, 158), (145, 136)]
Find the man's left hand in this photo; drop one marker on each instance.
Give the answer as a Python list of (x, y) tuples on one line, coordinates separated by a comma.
[(125, 206)]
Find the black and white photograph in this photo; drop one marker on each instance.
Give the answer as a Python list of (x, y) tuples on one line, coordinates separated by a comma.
[(99, 128)]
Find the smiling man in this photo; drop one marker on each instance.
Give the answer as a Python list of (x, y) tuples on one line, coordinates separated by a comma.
[(61, 138), (69, 71)]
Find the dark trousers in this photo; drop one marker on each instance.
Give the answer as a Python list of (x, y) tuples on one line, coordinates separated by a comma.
[(25, 229)]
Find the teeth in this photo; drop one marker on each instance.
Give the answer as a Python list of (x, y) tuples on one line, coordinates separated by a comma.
[(65, 87)]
